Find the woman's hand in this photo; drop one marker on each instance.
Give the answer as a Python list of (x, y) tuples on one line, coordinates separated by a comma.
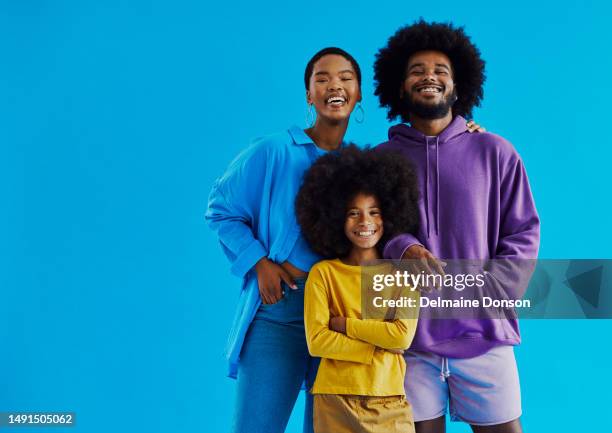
[(269, 277), (474, 127)]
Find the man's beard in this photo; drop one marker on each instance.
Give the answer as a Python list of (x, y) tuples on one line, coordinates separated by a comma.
[(429, 111)]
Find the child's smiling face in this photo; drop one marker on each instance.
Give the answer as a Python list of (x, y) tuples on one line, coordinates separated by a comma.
[(363, 225)]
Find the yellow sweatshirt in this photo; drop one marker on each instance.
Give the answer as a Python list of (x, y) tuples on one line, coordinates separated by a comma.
[(354, 363)]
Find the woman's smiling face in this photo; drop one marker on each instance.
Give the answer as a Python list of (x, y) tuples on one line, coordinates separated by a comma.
[(363, 225), (333, 88)]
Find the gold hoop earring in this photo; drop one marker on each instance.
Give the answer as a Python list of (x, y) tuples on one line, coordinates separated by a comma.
[(360, 108), (310, 117)]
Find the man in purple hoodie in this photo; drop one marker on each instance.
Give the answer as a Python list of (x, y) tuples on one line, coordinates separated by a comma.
[(475, 204)]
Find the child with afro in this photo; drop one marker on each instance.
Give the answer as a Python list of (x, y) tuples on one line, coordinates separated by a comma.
[(350, 204)]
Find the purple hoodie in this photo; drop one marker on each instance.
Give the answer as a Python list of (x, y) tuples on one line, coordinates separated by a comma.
[(475, 204)]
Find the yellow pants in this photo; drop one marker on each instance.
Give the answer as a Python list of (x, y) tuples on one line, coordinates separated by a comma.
[(362, 414)]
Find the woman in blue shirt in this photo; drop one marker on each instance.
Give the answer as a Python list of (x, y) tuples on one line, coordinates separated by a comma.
[(251, 208)]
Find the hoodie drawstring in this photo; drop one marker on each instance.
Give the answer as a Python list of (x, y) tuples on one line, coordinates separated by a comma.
[(444, 370), (427, 187), (437, 190), (427, 195)]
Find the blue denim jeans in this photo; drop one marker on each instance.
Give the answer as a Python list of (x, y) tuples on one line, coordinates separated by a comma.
[(274, 363)]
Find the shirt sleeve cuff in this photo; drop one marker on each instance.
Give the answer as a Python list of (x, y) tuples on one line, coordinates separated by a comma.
[(352, 332), (248, 258), (397, 246), (350, 328)]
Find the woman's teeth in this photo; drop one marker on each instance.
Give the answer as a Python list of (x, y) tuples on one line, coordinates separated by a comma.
[(336, 100), (366, 233)]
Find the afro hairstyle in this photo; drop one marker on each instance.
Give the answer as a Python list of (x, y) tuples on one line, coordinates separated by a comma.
[(467, 65), (336, 178)]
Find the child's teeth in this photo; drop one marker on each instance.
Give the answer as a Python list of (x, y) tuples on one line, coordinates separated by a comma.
[(335, 100)]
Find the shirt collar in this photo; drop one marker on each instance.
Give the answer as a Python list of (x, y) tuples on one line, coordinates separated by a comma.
[(299, 136)]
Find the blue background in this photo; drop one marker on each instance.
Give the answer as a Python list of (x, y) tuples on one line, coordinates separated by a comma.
[(116, 117)]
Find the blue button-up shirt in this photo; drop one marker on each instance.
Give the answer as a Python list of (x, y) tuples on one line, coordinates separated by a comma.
[(251, 208)]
